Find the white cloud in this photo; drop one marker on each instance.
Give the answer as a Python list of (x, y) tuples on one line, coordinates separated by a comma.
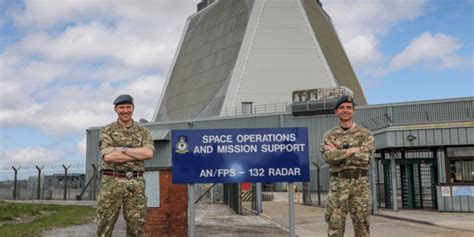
[(19, 115), (145, 90), (438, 48), (135, 33), (356, 17), (71, 43), (37, 154), (361, 24), (81, 107), (363, 49), (454, 61), (95, 41), (66, 108), (47, 13), (77, 56)]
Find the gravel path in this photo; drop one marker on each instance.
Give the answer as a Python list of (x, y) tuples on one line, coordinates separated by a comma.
[(86, 230), (211, 220)]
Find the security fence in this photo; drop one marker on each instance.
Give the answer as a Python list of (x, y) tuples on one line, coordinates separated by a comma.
[(46, 181)]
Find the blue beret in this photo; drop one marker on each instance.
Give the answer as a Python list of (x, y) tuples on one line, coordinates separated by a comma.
[(343, 99), (123, 99)]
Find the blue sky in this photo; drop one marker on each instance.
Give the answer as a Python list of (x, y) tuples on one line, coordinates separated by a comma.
[(63, 62)]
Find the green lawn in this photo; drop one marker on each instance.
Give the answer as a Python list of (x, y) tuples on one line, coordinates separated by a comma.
[(22, 219)]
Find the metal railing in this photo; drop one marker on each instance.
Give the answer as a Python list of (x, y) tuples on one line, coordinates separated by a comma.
[(423, 116), (256, 109)]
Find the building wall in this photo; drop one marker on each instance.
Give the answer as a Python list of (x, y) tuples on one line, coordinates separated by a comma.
[(441, 134), (452, 203)]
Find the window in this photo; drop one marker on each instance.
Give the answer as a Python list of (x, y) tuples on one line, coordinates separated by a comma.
[(461, 171), (460, 164), (247, 107)]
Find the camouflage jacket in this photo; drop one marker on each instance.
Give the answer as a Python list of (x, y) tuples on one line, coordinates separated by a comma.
[(356, 136), (117, 135)]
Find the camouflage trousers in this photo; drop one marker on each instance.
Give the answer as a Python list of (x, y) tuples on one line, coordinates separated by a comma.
[(348, 195), (119, 192)]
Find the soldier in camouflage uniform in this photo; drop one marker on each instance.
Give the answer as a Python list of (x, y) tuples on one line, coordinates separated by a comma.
[(124, 145), (348, 149)]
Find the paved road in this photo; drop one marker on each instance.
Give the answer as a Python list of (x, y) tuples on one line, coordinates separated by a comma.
[(310, 222), (220, 220)]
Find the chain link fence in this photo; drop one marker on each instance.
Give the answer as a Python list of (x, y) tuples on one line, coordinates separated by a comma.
[(46, 181)]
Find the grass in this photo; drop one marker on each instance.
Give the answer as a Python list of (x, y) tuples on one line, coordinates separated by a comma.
[(24, 219)]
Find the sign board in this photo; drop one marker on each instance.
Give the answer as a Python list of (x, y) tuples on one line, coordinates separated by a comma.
[(463, 191), (240, 155), (445, 191)]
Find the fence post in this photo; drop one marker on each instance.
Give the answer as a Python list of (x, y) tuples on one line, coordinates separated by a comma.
[(65, 181), (15, 182), (307, 200), (39, 181), (318, 169), (94, 184)]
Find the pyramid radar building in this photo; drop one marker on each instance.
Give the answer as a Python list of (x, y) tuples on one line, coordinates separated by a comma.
[(236, 52)]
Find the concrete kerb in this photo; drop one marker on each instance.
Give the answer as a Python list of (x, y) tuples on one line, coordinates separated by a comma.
[(445, 220), (407, 219)]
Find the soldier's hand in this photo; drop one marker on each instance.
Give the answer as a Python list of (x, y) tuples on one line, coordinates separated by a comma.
[(353, 150), (330, 147)]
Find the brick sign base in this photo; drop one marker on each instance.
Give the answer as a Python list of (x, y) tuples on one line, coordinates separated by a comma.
[(171, 218)]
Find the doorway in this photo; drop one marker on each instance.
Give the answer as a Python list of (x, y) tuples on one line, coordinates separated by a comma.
[(416, 177)]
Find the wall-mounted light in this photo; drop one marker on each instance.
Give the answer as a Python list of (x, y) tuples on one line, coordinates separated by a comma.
[(411, 138)]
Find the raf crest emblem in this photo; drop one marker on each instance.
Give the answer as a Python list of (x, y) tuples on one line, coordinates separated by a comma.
[(182, 145)]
